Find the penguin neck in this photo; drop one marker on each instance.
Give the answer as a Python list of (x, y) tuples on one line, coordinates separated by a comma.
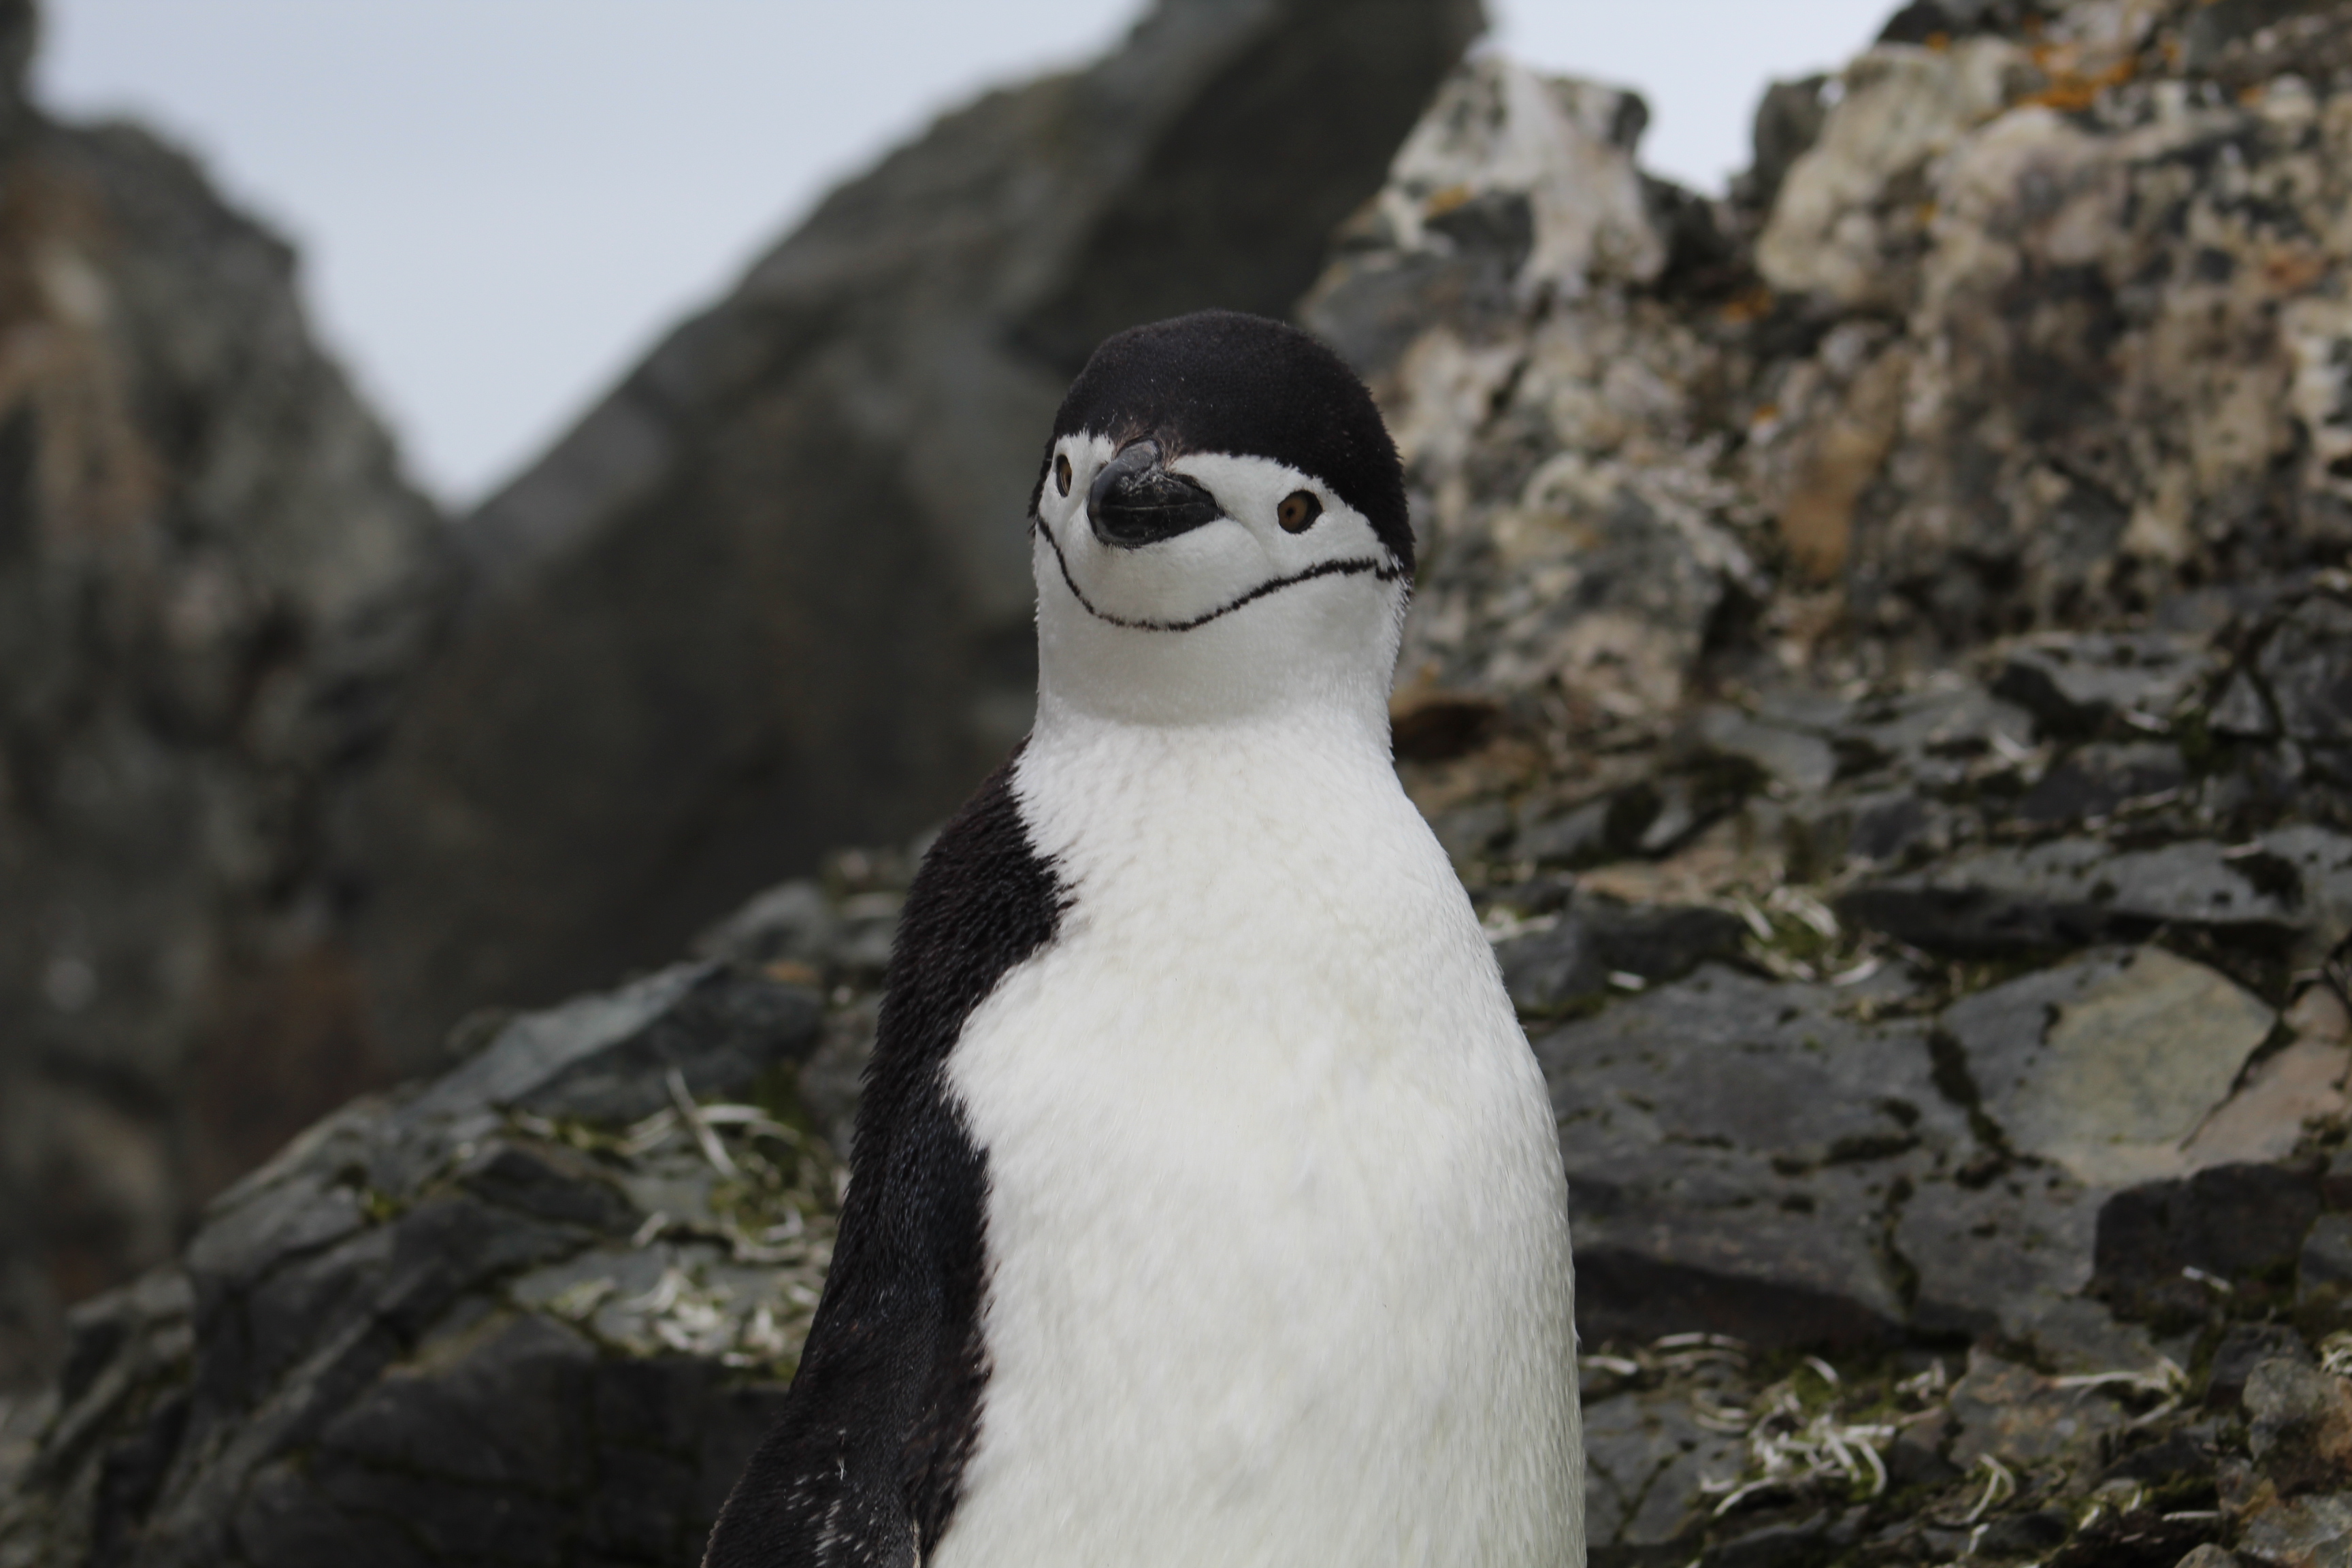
[(1317, 658)]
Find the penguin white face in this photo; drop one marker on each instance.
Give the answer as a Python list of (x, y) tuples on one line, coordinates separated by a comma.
[(1219, 528)]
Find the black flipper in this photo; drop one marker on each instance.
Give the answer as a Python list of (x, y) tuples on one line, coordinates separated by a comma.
[(867, 1464)]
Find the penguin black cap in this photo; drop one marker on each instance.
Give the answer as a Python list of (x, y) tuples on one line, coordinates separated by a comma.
[(1219, 381)]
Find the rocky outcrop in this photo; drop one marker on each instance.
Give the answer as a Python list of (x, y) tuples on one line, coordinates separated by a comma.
[(772, 594), (539, 1310), (212, 575)]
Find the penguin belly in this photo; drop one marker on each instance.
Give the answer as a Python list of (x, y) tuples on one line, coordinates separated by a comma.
[(1276, 1232)]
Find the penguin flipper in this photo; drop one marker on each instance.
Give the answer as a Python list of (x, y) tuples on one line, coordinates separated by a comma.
[(866, 1466)]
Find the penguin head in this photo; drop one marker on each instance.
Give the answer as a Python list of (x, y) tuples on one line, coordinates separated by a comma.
[(1219, 529)]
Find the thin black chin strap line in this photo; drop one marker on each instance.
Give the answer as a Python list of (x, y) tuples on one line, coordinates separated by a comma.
[(1379, 571)]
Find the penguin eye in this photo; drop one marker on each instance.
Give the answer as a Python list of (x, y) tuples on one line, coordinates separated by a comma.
[(1298, 512), (1061, 474)]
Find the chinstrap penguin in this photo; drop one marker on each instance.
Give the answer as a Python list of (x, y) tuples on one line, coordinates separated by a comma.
[(1206, 1205)]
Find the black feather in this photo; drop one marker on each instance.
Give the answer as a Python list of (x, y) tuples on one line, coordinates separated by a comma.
[(866, 1465)]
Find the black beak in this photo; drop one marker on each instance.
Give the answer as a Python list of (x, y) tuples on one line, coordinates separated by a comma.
[(1134, 502)]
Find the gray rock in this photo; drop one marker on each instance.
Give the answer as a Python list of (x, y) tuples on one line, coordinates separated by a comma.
[(1645, 1454), (2014, 1415), (2208, 1556), (2072, 892), (2300, 1433), (1787, 123), (1999, 1257), (1571, 963), (2307, 663), (1587, 835), (1800, 763), (2323, 1273), (2093, 781), (772, 593), (2166, 1249), (2243, 1347), (2336, 1184), (2080, 685), (2104, 1066), (1733, 1150), (2301, 1532), (789, 924), (2242, 711), (603, 1059)]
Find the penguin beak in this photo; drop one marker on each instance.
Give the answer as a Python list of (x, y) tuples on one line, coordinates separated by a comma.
[(1135, 502)]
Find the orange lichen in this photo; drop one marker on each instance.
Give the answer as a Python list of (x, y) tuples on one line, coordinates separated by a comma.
[(2071, 86), (1439, 203)]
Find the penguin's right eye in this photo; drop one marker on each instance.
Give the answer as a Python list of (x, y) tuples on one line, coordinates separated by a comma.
[(1061, 474)]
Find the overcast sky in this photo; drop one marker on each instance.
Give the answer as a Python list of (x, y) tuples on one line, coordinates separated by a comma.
[(501, 203)]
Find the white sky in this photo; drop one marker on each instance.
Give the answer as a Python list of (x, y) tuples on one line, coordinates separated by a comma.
[(501, 203)]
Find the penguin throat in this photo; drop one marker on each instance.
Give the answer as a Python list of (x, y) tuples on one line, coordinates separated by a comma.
[(1315, 645)]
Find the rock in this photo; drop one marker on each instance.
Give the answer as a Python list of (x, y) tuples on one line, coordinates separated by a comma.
[(2306, 665), (2284, 1093), (2324, 1271), (1572, 961), (792, 923), (1645, 1456), (2167, 1249), (1900, 107), (2078, 685), (743, 612), (1798, 761), (436, 1326), (2071, 892), (1787, 123), (2208, 1556), (1915, 1457), (1596, 831), (2243, 1347), (603, 1059), (1733, 1148), (2019, 1417), (2335, 1186), (2000, 1256), (2033, 1534), (2106, 1066), (2307, 1532), (1776, 1545), (2094, 780), (1596, 570)]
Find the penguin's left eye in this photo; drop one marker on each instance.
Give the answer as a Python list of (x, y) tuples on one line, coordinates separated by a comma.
[(1298, 512), (1061, 474)]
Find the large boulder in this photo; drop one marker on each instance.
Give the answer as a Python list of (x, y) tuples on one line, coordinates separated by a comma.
[(772, 593), (212, 577)]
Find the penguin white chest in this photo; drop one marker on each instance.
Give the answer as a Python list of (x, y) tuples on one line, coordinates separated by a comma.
[(1275, 1224)]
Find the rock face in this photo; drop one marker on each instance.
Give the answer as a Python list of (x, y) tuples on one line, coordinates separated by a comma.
[(211, 576), (772, 594)]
